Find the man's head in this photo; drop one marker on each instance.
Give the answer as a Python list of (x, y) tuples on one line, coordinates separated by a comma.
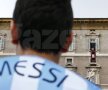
[(42, 25)]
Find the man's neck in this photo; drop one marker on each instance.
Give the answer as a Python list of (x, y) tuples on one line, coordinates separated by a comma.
[(50, 56)]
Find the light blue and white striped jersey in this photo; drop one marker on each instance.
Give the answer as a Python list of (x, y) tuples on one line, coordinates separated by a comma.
[(36, 73)]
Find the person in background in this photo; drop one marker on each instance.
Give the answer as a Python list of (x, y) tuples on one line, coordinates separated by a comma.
[(41, 31)]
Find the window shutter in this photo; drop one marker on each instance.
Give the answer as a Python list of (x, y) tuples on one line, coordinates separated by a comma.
[(97, 44), (72, 46), (89, 44), (2, 43)]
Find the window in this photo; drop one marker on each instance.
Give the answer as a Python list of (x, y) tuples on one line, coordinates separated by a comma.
[(92, 30), (69, 64), (72, 46), (69, 60), (94, 44), (2, 42)]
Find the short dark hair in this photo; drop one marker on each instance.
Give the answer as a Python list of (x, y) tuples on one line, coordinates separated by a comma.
[(40, 17)]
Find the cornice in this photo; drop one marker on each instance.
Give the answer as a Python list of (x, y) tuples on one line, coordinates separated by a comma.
[(76, 20), (5, 20), (90, 20), (79, 23)]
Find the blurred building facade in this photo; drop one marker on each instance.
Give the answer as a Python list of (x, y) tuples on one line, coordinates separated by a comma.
[(88, 34), (6, 47)]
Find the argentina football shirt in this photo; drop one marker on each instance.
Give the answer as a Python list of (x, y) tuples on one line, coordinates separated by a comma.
[(36, 73)]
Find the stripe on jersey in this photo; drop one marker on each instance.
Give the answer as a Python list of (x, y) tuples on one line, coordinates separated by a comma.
[(6, 78), (74, 82), (52, 78), (25, 82)]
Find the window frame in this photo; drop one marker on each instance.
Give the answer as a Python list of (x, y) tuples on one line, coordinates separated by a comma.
[(66, 63), (97, 41)]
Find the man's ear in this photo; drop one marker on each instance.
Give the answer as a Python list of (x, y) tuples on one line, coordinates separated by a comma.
[(67, 43), (14, 33)]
